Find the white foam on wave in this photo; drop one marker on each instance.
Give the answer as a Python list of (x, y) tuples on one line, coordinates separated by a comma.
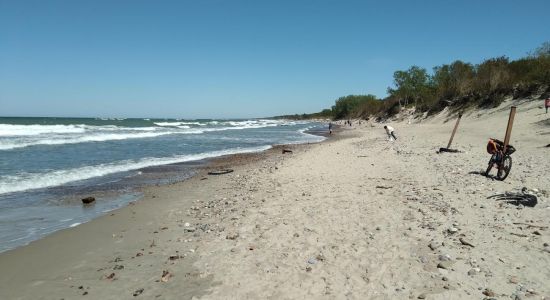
[(254, 123), (29, 181), (229, 125), (117, 128), (9, 144), (29, 130), (178, 124), (11, 130), (22, 136), (169, 124), (239, 125)]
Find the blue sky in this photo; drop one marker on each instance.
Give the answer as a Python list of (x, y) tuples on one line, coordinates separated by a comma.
[(199, 59)]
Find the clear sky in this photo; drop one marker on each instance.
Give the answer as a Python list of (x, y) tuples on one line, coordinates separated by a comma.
[(207, 58)]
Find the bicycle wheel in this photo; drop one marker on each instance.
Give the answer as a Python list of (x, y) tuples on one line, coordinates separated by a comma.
[(490, 166), (504, 167)]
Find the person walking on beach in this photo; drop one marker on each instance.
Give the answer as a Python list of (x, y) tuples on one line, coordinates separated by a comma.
[(389, 131), (329, 127), (547, 103)]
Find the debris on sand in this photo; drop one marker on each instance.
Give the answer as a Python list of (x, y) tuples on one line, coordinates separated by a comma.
[(137, 292), (464, 242), (220, 172), (489, 293), (524, 199), (232, 236), (165, 276), (88, 200)]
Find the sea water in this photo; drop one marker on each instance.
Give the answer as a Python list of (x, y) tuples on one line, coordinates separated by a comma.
[(48, 164)]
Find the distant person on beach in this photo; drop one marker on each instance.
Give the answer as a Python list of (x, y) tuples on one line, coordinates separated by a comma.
[(329, 127), (547, 103), (389, 131)]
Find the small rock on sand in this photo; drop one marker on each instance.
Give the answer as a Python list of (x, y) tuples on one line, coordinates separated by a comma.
[(489, 293), (190, 229), (445, 265), (232, 236), (434, 245), (474, 271), (165, 276), (88, 200), (137, 292), (444, 257)]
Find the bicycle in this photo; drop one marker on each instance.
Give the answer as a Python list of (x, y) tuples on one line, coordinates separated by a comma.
[(499, 159)]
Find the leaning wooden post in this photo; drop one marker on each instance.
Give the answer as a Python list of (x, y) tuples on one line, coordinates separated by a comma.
[(454, 131), (509, 128)]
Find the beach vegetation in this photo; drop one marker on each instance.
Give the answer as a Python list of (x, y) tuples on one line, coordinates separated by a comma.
[(458, 85), (353, 106)]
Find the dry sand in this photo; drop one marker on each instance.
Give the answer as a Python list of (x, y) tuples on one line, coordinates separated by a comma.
[(356, 217)]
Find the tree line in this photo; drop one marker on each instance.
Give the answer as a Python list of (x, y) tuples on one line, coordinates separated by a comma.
[(457, 85)]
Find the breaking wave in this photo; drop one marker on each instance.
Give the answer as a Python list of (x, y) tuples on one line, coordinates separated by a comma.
[(29, 181)]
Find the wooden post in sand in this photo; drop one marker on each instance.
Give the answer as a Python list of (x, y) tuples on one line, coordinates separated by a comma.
[(509, 128), (454, 131)]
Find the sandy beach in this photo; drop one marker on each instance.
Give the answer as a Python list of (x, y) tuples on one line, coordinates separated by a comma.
[(354, 217)]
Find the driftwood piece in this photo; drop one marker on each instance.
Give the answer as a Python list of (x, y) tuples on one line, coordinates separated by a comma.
[(464, 242), (287, 151), (220, 172), (448, 150), (454, 131), (509, 127), (530, 225)]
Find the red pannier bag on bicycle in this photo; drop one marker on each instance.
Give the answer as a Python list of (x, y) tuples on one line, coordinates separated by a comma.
[(492, 147)]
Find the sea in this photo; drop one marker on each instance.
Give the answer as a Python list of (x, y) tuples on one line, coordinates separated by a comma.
[(47, 165)]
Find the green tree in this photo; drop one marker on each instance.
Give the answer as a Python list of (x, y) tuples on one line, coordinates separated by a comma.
[(493, 76), (413, 85), (453, 80), (353, 106)]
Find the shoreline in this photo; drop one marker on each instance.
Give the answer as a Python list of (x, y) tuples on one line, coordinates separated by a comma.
[(115, 195), (76, 243), (355, 216)]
